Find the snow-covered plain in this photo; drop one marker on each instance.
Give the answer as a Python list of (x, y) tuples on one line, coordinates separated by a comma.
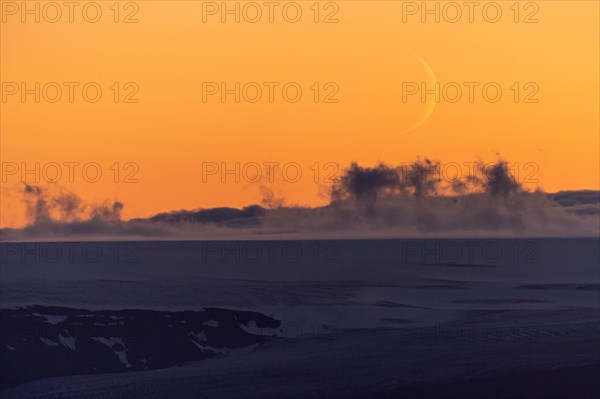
[(359, 318)]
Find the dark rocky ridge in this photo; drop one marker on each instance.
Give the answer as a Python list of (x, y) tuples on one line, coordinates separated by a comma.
[(40, 342)]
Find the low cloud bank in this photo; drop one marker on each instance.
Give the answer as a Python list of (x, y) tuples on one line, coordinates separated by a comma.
[(365, 202)]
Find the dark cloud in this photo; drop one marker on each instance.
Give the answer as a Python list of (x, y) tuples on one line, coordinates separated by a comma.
[(365, 184), (498, 181), (421, 178), (46, 205), (269, 199), (382, 201), (572, 198), (225, 216)]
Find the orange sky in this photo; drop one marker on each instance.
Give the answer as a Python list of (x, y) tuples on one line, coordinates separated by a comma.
[(366, 56)]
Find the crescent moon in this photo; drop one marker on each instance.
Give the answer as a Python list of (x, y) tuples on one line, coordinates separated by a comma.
[(430, 106)]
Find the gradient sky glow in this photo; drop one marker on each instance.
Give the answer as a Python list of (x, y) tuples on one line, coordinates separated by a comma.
[(367, 54)]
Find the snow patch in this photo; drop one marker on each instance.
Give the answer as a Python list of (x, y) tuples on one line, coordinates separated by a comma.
[(48, 342), (201, 337), (112, 341), (52, 319), (205, 348), (67, 341)]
